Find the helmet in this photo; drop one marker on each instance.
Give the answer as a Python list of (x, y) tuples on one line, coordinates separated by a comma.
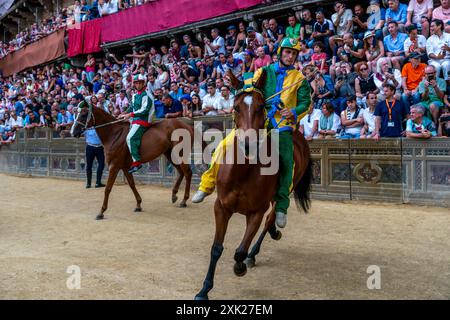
[(139, 77), (288, 43)]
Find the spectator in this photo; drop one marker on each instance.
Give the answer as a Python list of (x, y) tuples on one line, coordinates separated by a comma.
[(240, 39), (226, 102), (387, 75), (396, 12), (419, 15), (307, 26), (432, 90), (218, 43), (319, 58), (275, 34), (231, 38), (415, 43), (196, 105), (442, 13), (364, 83), (359, 22), (210, 101), (172, 107), (342, 20), (344, 86), (321, 86), (351, 120), (64, 120), (444, 123), (322, 30), (418, 126), (389, 114), (293, 30), (309, 124), (368, 114), (394, 44), (438, 48), (412, 74), (329, 122), (262, 60)]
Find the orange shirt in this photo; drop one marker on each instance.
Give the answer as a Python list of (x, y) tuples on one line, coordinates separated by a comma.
[(413, 76)]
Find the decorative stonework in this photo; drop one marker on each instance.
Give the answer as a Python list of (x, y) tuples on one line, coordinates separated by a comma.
[(440, 175), (418, 174), (367, 172), (316, 172)]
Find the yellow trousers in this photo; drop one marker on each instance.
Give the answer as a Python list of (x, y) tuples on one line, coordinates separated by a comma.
[(208, 181)]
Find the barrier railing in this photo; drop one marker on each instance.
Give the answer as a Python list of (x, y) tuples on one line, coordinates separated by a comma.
[(398, 170)]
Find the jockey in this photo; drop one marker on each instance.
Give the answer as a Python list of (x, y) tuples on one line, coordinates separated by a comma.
[(284, 112), (141, 111)]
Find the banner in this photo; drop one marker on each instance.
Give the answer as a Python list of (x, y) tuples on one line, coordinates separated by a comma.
[(165, 14), (84, 37), (44, 50)]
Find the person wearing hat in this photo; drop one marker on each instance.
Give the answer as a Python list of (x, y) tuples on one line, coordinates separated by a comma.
[(254, 39), (284, 112), (230, 38), (141, 111)]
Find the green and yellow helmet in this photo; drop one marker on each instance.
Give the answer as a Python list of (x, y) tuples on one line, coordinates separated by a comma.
[(288, 43)]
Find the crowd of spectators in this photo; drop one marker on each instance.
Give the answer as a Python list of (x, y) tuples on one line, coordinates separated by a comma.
[(81, 10), (370, 77)]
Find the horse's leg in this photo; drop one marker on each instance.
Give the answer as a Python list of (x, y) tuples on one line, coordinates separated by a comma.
[(268, 227), (253, 223), (222, 217), (187, 172), (177, 184), (132, 185), (111, 179)]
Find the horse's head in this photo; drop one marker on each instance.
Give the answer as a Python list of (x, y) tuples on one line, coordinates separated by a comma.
[(249, 115), (83, 121)]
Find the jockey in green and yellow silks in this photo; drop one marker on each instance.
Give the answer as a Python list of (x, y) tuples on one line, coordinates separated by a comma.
[(284, 112)]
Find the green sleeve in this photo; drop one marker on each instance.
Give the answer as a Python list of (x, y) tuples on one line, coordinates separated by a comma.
[(303, 98)]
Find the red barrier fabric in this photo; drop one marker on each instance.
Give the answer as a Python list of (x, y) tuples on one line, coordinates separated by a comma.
[(84, 37), (165, 14), (44, 50)]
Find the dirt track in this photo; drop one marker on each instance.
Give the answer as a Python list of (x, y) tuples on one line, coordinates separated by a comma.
[(47, 225)]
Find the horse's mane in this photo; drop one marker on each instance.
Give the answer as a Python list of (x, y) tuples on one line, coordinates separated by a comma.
[(108, 117)]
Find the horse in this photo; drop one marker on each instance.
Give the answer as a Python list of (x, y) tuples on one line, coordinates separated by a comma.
[(155, 142), (242, 188)]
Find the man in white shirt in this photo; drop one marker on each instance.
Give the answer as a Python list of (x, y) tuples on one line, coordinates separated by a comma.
[(415, 42), (211, 100), (438, 48), (218, 43), (226, 101), (309, 124), (342, 19)]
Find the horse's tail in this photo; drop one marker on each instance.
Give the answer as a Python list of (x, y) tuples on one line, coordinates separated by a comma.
[(303, 189)]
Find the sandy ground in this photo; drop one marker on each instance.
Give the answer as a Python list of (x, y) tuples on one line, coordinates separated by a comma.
[(47, 225)]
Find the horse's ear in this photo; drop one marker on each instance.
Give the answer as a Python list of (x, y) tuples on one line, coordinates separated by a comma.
[(259, 84), (234, 82)]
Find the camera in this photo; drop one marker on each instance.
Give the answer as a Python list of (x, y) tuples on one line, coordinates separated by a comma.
[(444, 118), (430, 77)]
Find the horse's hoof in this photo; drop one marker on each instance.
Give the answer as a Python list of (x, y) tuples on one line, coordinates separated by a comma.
[(240, 269), (277, 235), (183, 205), (99, 217), (198, 297), (174, 199), (137, 209), (249, 262)]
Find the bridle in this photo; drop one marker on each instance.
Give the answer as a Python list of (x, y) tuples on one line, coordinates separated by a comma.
[(93, 127)]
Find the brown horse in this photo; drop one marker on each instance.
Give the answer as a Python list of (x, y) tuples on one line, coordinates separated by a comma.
[(155, 142), (242, 188)]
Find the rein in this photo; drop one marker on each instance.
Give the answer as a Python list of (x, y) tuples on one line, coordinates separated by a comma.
[(91, 115)]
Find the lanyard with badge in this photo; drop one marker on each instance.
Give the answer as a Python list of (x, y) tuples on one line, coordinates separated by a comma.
[(390, 122)]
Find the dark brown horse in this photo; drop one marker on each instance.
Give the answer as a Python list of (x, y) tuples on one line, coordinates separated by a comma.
[(242, 188), (155, 142)]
